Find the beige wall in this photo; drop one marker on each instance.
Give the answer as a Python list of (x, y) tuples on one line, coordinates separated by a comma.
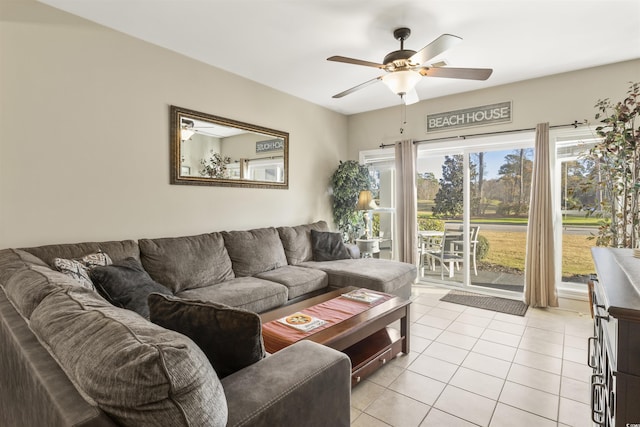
[(557, 99), (84, 137)]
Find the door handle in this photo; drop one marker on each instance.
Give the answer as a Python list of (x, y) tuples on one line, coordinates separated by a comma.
[(591, 357)]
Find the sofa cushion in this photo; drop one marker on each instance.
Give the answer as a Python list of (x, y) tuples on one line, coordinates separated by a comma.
[(231, 338), (297, 241), (250, 293), (78, 269), (254, 251), (372, 273), (31, 284), (137, 372), (125, 284), (327, 246), (298, 280), (117, 250), (181, 263)]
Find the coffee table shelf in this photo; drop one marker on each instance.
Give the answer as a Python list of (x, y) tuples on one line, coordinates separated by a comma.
[(373, 352)]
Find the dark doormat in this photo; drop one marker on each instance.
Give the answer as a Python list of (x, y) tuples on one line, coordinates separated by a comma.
[(502, 305)]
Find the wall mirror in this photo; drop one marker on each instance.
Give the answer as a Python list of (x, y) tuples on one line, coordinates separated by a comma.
[(212, 150)]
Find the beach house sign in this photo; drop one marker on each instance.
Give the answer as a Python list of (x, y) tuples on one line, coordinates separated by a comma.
[(475, 116), (269, 145)]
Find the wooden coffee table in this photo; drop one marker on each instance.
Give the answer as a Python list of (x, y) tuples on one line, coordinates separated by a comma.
[(365, 337)]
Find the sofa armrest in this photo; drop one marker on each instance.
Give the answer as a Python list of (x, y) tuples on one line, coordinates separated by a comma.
[(304, 384), (34, 391)]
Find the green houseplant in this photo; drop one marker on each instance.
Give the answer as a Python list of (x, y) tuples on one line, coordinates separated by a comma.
[(346, 183), (617, 158), (215, 166)]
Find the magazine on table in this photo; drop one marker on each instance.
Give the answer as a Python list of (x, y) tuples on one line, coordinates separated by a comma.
[(362, 295), (302, 322)]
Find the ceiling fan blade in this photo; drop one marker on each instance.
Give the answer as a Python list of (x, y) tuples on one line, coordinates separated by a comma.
[(435, 48), (411, 97), (355, 61), (355, 88), (457, 73)]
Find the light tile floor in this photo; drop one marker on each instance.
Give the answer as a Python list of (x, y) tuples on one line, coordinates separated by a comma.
[(474, 367)]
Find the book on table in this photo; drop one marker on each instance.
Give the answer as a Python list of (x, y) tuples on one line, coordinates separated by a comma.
[(362, 295), (302, 322)]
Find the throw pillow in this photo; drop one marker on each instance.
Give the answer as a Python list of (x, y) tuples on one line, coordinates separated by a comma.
[(230, 337), (126, 284), (327, 246), (78, 269)]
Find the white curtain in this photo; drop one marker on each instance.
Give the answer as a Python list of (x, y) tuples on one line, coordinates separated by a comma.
[(539, 270), (406, 242)]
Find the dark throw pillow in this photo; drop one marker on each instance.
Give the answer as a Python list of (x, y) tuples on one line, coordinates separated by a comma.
[(327, 246), (231, 338), (126, 284)]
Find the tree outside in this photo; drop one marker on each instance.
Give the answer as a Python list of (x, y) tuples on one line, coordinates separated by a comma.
[(448, 199)]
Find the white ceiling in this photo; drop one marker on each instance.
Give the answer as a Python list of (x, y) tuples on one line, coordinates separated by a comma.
[(284, 43)]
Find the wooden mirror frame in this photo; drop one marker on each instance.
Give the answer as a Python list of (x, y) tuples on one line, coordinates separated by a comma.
[(176, 116)]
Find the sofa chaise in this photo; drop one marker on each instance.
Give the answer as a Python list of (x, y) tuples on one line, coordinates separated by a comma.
[(72, 357)]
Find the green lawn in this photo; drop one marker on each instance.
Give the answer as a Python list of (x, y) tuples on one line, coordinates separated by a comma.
[(508, 249)]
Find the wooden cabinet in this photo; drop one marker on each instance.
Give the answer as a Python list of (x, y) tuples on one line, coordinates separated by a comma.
[(614, 349)]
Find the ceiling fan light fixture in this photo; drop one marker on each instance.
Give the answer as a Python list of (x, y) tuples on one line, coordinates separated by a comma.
[(185, 134), (401, 81), (186, 130)]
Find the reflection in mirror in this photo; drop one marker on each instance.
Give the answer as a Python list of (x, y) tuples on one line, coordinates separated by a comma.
[(212, 150)]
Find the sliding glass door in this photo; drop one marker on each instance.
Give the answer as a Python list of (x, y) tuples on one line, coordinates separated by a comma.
[(473, 202)]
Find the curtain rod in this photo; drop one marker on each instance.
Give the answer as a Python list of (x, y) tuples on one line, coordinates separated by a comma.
[(575, 125)]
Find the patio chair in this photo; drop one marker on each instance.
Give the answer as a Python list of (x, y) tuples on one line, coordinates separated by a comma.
[(473, 242), (444, 252), (428, 242)]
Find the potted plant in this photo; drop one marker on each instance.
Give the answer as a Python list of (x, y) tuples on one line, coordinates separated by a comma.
[(346, 183), (617, 158), (215, 166)]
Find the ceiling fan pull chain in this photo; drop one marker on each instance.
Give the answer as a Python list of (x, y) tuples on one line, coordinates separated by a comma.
[(403, 113)]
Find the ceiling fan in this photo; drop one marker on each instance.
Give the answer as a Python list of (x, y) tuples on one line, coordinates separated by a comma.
[(404, 67)]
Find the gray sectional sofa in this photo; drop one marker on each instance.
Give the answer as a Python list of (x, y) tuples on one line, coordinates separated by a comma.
[(69, 357)]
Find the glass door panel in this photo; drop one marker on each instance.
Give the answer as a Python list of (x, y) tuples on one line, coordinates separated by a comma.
[(440, 192), (383, 219), (580, 199), (500, 187)]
